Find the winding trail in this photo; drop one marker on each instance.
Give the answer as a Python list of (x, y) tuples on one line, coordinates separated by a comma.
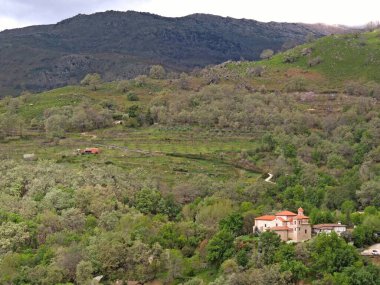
[(268, 179)]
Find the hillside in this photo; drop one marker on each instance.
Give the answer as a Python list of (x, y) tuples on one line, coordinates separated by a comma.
[(123, 45), (334, 63), (173, 195)]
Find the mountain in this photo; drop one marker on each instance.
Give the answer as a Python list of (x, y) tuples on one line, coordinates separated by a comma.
[(124, 44), (333, 29)]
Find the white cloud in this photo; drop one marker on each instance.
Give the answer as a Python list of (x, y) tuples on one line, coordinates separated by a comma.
[(17, 13)]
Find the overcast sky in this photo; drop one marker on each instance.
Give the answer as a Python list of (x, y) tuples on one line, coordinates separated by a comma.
[(20, 13)]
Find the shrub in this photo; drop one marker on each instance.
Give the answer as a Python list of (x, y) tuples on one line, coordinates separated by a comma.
[(296, 85), (256, 71), (157, 72), (314, 61), (132, 97), (290, 57)]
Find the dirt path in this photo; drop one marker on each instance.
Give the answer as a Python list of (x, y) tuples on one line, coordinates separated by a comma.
[(369, 250), (268, 179)]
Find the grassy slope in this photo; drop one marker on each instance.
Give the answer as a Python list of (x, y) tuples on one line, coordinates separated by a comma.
[(344, 58), (149, 148)]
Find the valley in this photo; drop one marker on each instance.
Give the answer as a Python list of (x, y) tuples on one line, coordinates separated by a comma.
[(184, 165)]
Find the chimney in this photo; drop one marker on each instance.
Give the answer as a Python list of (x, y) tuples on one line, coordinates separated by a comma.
[(300, 211), (339, 223)]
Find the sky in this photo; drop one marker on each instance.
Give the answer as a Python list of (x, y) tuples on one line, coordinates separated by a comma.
[(21, 13)]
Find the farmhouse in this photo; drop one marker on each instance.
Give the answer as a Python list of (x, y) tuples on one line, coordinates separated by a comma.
[(328, 228), (288, 225)]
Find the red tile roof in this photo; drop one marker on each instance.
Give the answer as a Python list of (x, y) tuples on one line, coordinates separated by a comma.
[(284, 228), (286, 213), (266, 218)]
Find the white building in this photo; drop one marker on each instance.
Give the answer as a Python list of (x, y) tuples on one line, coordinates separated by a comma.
[(288, 225), (328, 228)]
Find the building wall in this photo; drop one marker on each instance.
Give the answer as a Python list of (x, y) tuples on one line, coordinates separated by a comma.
[(339, 230), (302, 232), (283, 235), (278, 223), (262, 225)]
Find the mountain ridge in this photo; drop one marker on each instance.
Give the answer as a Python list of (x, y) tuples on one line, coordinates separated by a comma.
[(125, 44)]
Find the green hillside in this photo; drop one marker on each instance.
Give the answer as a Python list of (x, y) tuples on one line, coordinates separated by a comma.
[(173, 195), (330, 63)]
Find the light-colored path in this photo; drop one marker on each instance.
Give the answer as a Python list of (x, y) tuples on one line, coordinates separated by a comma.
[(369, 250), (268, 179)]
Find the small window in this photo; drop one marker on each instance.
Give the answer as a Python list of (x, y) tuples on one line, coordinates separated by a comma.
[(305, 231), (265, 225), (295, 229), (299, 222), (276, 225)]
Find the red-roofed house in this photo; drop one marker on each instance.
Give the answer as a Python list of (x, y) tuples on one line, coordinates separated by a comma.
[(289, 225)]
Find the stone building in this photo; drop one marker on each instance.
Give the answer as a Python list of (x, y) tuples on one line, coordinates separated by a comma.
[(288, 225)]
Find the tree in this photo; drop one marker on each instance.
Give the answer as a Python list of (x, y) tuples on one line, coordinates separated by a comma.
[(220, 247), (363, 235), (13, 236), (157, 72), (123, 86), (92, 80), (363, 275), (84, 272), (11, 125), (146, 201), (229, 266), (266, 54), (55, 126), (288, 45), (183, 81), (297, 268), (347, 208), (174, 263), (372, 25), (270, 274), (330, 253), (369, 194), (232, 223), (269, 242)]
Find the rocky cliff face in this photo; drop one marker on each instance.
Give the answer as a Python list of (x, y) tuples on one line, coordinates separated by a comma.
[(124, 44)]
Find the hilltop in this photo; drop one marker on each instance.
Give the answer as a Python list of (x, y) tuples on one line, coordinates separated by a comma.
[(124, 44)]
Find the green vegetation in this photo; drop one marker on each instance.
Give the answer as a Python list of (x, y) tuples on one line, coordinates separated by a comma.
[(334, 63), (174, 192)]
